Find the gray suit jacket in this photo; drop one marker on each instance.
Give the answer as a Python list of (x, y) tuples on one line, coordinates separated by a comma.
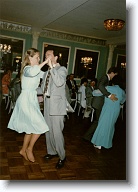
[(56, 89), (89, 96)]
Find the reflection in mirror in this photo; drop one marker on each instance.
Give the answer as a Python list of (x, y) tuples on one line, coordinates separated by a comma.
[(63, 54), (86, 63), (11, 50)]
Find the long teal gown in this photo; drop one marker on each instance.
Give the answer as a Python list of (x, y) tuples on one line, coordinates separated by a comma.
[(26, 116), (104, 132)]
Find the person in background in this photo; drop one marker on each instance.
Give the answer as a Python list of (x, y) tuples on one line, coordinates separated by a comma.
[(6, 79), (104, 132), (88, 91), (82, 89), (68, 95), (15, 87), (71, 83), (26, 116), (98, 102), (53, 86)]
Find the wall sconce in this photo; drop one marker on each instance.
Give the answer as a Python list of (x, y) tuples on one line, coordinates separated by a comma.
[(123, 65), (60, 55)]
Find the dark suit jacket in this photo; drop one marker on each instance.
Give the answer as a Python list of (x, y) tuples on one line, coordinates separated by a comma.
[(98, 101), (70, 85), (102, 84)]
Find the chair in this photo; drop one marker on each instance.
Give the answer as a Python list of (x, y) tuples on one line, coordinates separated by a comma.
[(12, 100), (8, 100), (92, 113), (5, 97), (75, 100), (79, 96)]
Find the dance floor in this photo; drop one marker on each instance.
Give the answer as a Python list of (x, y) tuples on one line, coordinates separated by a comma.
[(84, 162)]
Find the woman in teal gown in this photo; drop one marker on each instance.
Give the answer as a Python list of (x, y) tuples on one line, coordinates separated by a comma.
[(104, 132), (26, 116)]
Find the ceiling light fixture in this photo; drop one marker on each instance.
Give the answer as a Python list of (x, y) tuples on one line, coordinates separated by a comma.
[(114, 24)]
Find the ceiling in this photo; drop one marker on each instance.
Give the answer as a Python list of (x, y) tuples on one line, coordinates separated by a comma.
[(79, 17)]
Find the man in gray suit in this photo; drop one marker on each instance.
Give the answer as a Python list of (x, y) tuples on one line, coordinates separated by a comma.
[(53, 86)]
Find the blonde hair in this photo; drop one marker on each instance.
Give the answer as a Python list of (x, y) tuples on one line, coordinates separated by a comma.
[(29, 53)]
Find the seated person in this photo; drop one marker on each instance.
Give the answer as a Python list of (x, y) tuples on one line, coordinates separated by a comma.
[(82, 88), (71, 83), (15, 87), (88, 91), (6, 79), (68, 95)]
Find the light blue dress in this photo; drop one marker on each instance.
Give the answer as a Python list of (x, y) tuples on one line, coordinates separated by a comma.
[(26, 116), (104, 132)]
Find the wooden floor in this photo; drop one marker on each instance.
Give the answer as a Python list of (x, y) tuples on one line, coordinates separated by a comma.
[(84, 162)]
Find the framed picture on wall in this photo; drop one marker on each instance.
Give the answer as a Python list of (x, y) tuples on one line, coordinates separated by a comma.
[(86, 63), (63, 53)]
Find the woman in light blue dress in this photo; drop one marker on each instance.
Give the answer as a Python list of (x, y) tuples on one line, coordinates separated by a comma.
[(104, 132), (26, 116)]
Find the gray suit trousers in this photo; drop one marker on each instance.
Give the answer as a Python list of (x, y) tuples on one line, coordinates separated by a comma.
[(54, 138)]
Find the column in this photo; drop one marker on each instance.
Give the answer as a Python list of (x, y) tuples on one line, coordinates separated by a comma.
[(35, 39), (110, 56)]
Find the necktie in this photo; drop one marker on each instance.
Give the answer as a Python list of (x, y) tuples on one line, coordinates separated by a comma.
[(47, 81)]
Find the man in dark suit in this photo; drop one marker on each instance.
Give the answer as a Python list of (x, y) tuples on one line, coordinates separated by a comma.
[(98, 101), (71, 83)]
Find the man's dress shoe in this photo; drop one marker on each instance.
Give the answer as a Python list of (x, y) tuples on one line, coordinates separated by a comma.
[(60, 163), (48, 156)]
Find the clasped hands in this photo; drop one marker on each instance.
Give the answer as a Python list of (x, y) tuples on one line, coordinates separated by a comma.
[(49, 63)]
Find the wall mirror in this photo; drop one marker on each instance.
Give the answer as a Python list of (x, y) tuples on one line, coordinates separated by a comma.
[(86, 62), (11, 51), (63, 53)]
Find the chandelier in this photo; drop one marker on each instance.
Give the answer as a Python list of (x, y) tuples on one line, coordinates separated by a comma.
[(86, 60), (114, 24), (5, 48)]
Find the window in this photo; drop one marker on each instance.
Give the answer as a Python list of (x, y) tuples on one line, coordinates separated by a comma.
[(11, 50), (63, 54), (85, 63)]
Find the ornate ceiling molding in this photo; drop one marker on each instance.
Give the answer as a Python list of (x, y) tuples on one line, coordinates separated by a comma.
[(15, 27), (51, 34), (72, 37)]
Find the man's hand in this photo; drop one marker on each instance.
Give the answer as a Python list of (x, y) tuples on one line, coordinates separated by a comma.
[(113, 97), (50, 63)]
